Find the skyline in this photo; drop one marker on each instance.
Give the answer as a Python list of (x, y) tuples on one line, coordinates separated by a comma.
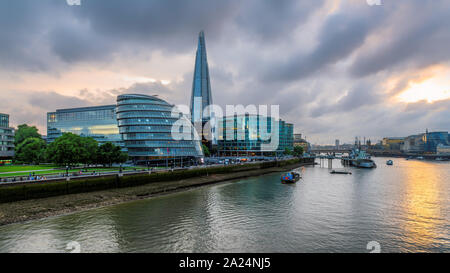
[(338, 69)]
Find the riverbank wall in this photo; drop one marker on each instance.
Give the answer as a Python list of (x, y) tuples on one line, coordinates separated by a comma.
[(38, 190)]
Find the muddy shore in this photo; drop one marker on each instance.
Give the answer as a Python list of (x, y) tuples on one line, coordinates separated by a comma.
[(27, 210)]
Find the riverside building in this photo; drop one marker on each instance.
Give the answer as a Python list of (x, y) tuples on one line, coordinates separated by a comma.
[(98, 122), (250, 135), (140, 124), (6, 138), (145, 124)]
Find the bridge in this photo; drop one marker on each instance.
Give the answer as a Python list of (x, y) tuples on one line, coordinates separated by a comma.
[(331, 151)]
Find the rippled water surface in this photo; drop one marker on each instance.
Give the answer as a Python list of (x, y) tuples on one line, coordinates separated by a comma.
[(405, 207)]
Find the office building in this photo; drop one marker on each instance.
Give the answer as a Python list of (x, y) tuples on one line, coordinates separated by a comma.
[(251, 135), (6, 138), (300, 141), (442, 149), (98, 122), (201, 93), (414, 144), (433, 139), (393, 143)]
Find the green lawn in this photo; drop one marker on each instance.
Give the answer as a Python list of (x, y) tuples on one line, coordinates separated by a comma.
[(10, 171), (19, 168)]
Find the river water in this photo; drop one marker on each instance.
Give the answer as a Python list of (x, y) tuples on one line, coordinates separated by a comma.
[(400, 208)]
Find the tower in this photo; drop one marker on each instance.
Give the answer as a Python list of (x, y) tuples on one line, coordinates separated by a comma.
[(201, 93)]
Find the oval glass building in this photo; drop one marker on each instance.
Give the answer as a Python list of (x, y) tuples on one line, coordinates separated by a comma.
[(145, 123)]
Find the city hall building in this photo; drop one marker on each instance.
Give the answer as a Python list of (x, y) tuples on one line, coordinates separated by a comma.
[(145, 124), (140, 124)]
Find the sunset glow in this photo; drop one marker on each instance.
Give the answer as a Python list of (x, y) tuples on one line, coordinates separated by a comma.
[(433, 89)]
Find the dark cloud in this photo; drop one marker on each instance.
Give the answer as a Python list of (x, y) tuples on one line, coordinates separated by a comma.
[(326, 69), (417, 33), (32, 106), (274, 20), (358, 97)]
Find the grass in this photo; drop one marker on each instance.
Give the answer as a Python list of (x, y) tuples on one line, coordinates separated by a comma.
[(11, 171), (19, 168)]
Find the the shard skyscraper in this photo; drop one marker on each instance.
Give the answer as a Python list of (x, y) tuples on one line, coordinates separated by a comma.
[(201, 92)]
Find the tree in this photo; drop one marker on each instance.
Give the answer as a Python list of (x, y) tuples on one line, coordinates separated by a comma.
[(206, 150), (88, 151), (31, 150), (287, 151), (108, 153), (70, 149), (298, 150), (23, 132)]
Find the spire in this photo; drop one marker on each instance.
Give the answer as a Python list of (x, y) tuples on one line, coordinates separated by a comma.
[(201, 85)]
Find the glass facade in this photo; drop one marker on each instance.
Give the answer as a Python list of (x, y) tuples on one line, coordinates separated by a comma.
[(98, 122), (201, 87), (251, 135), (433, 139), (145, 123), (6, 138)]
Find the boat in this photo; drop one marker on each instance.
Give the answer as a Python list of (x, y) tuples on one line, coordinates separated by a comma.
[(290, 178), (340, 172), (360, 159), (389, 162)]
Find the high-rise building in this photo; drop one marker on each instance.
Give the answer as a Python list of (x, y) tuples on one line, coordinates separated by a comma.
[(337, 144), (6, 138), (201, 92)]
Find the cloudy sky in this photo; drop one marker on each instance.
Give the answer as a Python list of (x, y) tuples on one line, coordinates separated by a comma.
[(338, 69)]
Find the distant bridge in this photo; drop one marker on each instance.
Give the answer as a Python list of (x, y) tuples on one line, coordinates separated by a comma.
[(331, 151)]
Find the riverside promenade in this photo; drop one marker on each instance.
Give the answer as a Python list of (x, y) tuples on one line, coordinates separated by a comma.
[(81, 194)]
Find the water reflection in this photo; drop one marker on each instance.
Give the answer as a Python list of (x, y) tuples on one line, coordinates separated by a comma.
[(422, 204), (404, 207)]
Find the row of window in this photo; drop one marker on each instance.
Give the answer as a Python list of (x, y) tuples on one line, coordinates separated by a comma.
[(125, 108), (153, 136), (147, 121), (156, 144), (82, 115), (146, 114), (140, 129)]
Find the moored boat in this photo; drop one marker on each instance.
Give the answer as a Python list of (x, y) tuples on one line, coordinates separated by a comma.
[(360, 159), (340, 172), (290, 178)]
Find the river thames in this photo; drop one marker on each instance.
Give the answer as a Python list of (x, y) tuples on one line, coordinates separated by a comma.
[(400, 208)]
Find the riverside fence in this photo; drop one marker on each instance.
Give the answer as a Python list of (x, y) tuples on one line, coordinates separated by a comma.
[(10, 192)]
